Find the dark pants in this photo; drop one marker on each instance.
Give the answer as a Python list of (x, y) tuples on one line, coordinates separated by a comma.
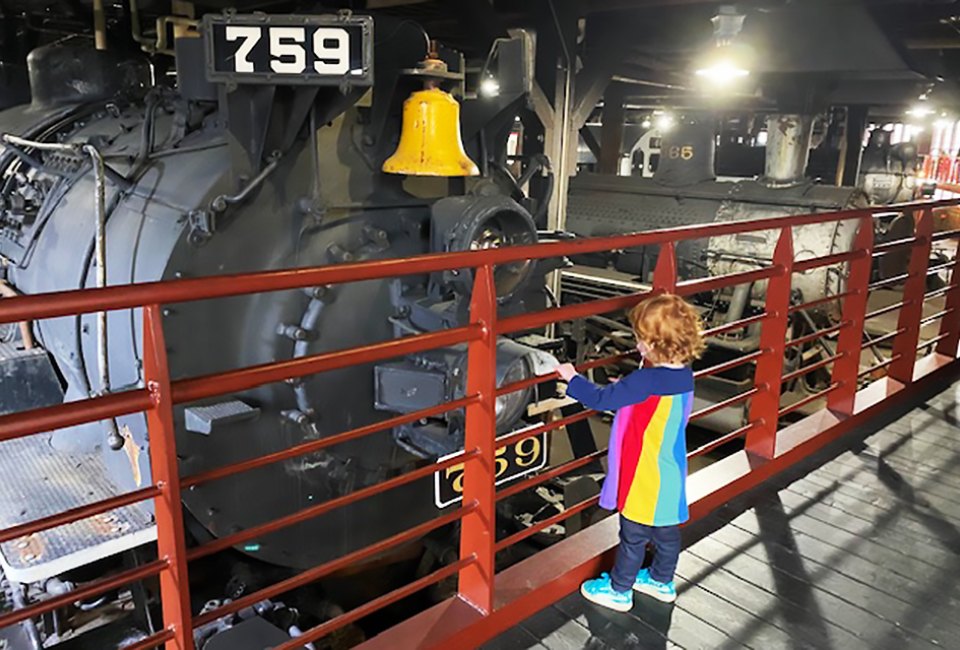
[(634, 538)]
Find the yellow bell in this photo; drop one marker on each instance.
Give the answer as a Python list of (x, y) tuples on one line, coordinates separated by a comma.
[(430, 143)]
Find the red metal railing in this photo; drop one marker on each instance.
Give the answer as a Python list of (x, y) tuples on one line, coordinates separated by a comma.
[(764, 438)]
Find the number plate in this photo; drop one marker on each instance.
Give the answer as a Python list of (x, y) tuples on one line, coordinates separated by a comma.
[(304, 50), (512, 462)]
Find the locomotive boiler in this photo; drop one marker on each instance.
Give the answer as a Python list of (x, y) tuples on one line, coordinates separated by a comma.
[(253, 162)]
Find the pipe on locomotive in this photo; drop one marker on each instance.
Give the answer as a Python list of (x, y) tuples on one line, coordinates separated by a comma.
[(114, 439)]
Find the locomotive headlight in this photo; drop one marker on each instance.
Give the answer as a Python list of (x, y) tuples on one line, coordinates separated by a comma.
[(465, 223), (511, 368)]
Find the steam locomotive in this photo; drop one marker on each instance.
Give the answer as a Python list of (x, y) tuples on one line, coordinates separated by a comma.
[(267, 153), (685, 190)]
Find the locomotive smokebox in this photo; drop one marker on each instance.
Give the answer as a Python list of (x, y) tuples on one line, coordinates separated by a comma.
[(63, 74), (687, 155)]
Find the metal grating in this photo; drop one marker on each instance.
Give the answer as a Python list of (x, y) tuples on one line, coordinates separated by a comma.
[(38, 481)]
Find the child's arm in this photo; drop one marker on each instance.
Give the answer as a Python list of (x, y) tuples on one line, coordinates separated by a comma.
[(631, 389)]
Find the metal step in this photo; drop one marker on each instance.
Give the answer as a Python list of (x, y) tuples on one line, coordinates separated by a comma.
[(37, 481)]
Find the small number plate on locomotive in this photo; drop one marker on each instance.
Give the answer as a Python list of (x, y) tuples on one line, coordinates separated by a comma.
[(512, 462), (303, 50)]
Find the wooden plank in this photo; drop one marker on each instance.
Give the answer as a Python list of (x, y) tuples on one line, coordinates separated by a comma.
[(805, 628), (856, 579), (884, 479), (853, 506), (837, 617), (741, 625), (556, 631), (625, 630), (865, 617), (516, 638), (890, 536)]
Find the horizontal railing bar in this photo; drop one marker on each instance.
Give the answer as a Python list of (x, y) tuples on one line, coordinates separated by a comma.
[(883, 339), (727, 403), (229, 541), (886, 247), (554, 472), (317, 445), (808, 399), (934, 317), (813, 336), (734, 325), (704, 285), (68, 414), (357, 613), (569, 312), (546, 523), (76, 514), (70, 303), (355, 557), (945, 234), (822, 301), (805, 370), (523, 434), (85, 592), (151, 642), (933, 341), (886, 310), (802, 266), (878, 366), (940, 267), (728, 365), (889, 282), (936, 293), (720, 442), (233, 381)]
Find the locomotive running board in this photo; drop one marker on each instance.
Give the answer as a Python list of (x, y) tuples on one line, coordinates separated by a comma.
[(39, 481)]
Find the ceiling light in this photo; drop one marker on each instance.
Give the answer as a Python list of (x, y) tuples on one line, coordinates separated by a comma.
[(489, 87)]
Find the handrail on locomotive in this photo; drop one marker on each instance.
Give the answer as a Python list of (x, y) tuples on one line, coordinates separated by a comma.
[(478, 540)]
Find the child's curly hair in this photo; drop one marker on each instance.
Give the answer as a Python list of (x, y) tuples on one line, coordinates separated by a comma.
[(670, 328)]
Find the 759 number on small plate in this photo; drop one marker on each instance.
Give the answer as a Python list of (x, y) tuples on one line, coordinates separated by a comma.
[(512, 462)]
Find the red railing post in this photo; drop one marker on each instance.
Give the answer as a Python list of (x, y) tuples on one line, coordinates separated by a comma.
[(665, 273), (765, 405), (478, 530), (171, 547), (911, 313), (853, 313), (950, 324)]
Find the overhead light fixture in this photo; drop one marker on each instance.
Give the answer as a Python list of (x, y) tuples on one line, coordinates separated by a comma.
[(646, 123), (921, 109), (489, 87), (664, 121), (725, 63)]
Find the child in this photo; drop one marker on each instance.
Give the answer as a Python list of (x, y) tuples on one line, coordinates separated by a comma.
[(647, 462)]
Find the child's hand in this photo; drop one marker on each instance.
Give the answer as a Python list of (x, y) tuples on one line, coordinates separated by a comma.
[(566, 371)]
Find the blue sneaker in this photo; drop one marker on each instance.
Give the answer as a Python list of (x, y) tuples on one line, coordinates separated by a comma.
[(662, 591), (600, 591)]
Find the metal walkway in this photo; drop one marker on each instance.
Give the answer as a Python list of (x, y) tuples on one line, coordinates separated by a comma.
[(859, 547)]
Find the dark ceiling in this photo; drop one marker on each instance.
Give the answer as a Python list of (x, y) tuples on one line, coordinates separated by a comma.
[(881, 53)]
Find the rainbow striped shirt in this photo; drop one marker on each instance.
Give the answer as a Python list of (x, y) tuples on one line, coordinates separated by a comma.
[(647, 463)]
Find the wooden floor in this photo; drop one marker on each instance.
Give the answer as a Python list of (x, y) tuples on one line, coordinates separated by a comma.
[(857, 549)]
